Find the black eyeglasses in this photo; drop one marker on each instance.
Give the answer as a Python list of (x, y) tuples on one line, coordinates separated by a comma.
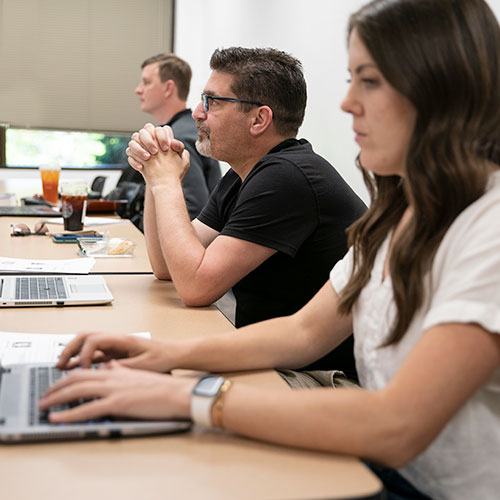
[(23, 230), (205, 98)]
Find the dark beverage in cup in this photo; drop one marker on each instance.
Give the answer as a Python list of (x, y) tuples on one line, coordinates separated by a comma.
[(73, 211), (74, 205)]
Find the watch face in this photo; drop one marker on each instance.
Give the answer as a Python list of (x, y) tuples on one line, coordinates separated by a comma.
[(209, 386)]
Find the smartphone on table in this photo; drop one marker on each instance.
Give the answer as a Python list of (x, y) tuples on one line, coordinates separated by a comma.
[(73, 237)]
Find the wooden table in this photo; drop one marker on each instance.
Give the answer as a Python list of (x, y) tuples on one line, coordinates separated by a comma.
[(141, 303), (42, 247), (201, 464), (198, 465)]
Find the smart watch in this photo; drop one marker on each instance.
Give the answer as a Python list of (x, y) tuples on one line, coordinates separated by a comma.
[(203, 397)]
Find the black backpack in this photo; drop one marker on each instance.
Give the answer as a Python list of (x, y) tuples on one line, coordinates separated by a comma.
[(134, 193)]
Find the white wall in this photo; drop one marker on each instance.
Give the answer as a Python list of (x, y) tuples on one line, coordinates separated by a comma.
[(312, 31)]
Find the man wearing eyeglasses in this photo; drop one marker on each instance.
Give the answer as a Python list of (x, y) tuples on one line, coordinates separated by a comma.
[(275, 225), (163, 91)]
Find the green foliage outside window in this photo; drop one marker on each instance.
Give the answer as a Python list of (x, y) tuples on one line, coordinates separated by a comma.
[(114, 150), (70, 149)]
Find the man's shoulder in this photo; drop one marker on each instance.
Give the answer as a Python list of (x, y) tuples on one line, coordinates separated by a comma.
[(296, 151), (296, 157), (298, 168)]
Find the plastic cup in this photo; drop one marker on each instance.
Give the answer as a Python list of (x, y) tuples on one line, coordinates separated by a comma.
[(74, 204), (50, 181)]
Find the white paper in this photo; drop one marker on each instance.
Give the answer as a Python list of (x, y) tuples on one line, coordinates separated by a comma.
[(8, 200), (33, 266), (25, 348), (89, 221)]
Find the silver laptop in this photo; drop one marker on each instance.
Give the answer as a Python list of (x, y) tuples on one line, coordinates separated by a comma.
[(29, 211), (21, 421), (56, 290)]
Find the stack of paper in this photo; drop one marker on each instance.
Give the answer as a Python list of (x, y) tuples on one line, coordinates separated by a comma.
[(22, 348), (33, 266)]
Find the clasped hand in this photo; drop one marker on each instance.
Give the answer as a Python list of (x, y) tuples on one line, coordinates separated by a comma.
[(157, 155)]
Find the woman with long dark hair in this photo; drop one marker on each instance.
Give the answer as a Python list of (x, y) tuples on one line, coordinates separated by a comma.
[(420, 285)]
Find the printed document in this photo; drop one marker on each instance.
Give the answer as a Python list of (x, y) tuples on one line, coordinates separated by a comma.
[(21, 348), (33, 266)]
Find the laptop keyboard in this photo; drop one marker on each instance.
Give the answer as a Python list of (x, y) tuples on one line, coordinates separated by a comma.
[(29, 211), (41, 378), (40, 288)]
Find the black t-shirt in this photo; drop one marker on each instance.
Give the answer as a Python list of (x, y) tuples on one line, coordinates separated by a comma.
[(295, 202)]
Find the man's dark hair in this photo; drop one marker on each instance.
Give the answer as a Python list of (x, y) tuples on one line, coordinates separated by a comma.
[(269, 76), (172, 67)]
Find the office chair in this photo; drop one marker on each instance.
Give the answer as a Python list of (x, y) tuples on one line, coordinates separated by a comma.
[(97, 187)]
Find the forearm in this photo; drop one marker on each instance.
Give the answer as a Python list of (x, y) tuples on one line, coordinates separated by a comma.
[(391, 425), (194, 185), (275, 343), (181, 249), (286, 342), (151, 236), (346, 421)]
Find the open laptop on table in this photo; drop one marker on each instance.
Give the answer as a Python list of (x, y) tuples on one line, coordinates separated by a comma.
[(56, 290), (21, 421), (29, 211)]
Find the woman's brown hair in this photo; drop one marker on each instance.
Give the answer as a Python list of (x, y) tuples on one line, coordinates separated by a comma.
[(444, 57)]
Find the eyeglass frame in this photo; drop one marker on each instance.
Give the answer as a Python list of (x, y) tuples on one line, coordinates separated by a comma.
[(205, 97), (26, 231)]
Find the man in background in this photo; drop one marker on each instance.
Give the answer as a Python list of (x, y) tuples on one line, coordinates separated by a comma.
[(163, 91)]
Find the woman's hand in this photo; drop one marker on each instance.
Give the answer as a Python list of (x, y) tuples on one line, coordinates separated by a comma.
[(115, 390), (131, 350)]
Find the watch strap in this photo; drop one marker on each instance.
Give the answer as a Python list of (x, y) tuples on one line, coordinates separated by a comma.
[(201, 405), (201, 410)]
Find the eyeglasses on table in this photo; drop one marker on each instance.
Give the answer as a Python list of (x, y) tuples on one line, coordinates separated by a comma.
[(40, 229)]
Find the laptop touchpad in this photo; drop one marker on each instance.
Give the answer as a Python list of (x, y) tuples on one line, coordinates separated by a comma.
[(11, 401), (87, 288)]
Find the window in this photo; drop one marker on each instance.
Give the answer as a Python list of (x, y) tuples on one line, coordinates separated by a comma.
[(30, 148), (74, 66)]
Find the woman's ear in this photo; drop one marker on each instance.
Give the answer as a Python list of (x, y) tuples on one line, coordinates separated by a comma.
[(261, 120)]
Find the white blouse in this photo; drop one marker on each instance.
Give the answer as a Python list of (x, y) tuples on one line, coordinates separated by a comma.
[(463, 286)]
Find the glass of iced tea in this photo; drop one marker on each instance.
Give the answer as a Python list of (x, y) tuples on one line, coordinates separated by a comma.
[(50, 181), (74, 204)]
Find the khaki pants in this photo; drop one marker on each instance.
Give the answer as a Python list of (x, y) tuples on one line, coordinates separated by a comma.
[(316, 378)]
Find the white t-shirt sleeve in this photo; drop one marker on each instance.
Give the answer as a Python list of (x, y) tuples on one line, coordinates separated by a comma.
[(341, 272), (465, 284)]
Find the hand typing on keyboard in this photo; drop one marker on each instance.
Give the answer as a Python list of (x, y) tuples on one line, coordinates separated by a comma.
[(115, 390), (41, 379), (132, 351)]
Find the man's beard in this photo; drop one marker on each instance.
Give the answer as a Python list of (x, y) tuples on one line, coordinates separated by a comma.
[(203, 143), (203, 147)]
